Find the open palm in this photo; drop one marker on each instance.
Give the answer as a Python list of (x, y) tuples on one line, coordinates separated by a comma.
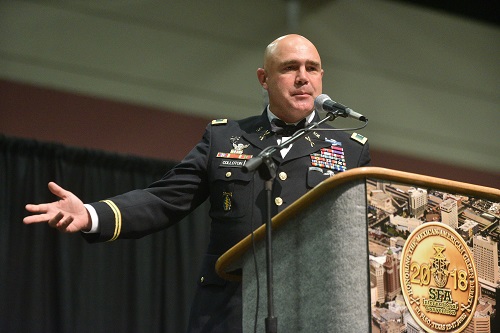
[(67, 215)]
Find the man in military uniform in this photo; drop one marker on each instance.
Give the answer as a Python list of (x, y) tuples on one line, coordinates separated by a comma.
[(292, 75)]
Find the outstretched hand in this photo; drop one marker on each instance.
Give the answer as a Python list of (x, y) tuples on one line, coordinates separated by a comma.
[(67, 215)]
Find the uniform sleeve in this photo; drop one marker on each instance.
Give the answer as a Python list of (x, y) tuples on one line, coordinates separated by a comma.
[(364, 157), (164, 203)]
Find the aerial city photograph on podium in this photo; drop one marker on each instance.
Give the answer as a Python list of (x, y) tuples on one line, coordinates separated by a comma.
[(433, 257)]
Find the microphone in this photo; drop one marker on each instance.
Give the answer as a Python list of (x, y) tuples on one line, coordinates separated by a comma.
[(324, 103)]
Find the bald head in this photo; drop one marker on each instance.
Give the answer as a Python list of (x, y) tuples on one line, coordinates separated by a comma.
[(282, 44), (292, 76)]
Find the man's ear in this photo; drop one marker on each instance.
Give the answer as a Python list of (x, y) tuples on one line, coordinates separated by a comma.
[(262, 76)]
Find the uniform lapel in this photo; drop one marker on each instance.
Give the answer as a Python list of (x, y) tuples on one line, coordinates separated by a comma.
[(308, 144), (259, 134)]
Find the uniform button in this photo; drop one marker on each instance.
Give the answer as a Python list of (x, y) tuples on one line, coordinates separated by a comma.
[(278, 201), (283, 175), (228, 174), (202, 279)]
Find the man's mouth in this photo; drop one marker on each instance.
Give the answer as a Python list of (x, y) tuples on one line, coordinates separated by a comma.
[(301, 94)]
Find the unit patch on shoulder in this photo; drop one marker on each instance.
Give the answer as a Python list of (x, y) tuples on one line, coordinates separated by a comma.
[(358, 137), (219, 121)]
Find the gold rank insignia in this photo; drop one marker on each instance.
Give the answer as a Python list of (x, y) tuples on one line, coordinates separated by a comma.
[(358, 137), (219, 121)]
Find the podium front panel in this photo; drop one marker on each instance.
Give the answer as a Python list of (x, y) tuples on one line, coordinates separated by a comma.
[(320, 268)]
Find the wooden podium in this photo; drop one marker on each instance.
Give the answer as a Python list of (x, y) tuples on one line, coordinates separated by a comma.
[(320, 252)]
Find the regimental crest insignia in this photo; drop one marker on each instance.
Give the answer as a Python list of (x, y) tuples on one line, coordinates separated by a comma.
[(237, 147)]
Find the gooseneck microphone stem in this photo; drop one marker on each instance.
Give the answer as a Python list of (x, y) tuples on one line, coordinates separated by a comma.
[(267, 171)]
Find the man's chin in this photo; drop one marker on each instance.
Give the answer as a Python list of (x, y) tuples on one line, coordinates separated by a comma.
[(303, 108), (299, 114)]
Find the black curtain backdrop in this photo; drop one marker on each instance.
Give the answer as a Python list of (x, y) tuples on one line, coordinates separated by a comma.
[(54, 282)]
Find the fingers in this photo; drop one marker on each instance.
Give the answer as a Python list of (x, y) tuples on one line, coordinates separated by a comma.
[(41, 208), (35, 219), (66, 215), (59, 222), (58, 190), (55, 220), (45, 211), (45, 214)]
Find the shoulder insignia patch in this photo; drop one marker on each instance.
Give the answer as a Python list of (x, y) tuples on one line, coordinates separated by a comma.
[(219, 121), (358, 137)]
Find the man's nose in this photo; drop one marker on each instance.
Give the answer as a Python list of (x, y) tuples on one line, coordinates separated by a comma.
[(302, 76)]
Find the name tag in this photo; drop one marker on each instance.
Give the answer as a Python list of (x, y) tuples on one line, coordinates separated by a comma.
[(232, 163)]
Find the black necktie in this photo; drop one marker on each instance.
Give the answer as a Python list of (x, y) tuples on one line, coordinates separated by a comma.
[(279, 127)]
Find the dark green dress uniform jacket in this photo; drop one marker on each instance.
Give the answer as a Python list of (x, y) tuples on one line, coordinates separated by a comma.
[(211, 171)]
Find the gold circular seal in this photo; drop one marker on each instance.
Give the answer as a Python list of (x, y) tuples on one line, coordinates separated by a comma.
[(439, 278)]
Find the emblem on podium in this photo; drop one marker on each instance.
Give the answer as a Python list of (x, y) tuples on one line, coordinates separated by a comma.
[(438, 278)]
